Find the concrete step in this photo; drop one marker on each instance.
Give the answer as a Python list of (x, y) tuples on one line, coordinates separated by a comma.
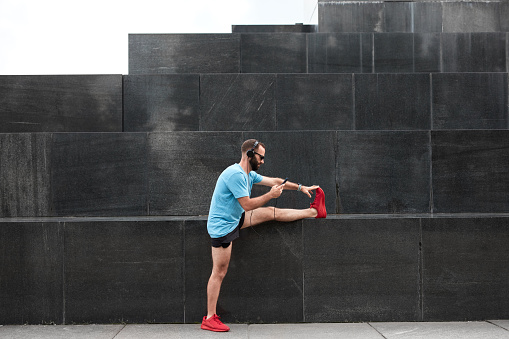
[(349, 268), (173, 173), (413, 16), (318, 53)]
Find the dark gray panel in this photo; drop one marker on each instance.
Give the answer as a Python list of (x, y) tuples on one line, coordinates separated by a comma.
[(394, 53), (161, 102), (465, 269), (383, 172), (427, 17), (60, 103), (470, 171), (361, 270), (31, 285), (351, 17), (183, 169), (339, 52), (297, 28), (184, 53), (314, 102), (237, 102), (99, 174), (470, 101), (392, 101), (398, 17), (427, 52), (471, 16), (503, 15), (124, 272), (25, 175), (260, 286), (304, 157), (474, 52), (273, 53)]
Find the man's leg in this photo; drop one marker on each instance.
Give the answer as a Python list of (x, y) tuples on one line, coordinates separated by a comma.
[(220, 261), (263, 214)]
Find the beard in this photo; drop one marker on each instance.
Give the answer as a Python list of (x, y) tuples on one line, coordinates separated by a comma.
[(254, 164)]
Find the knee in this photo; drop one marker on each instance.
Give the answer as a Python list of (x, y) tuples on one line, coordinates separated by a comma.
[(220, 272)]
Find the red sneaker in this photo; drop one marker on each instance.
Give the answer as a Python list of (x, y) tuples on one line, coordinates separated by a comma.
[(214, 324), (319, 204)]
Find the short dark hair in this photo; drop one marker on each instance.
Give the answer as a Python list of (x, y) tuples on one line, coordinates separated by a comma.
[(248, 144)]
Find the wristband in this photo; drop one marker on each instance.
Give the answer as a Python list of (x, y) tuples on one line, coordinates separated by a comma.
[(300, 187)]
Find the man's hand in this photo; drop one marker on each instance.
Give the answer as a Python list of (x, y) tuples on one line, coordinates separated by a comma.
[(276, 190), (309, 189)]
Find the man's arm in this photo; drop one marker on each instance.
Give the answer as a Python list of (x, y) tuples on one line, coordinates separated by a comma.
[(268, 181), (249, 204)]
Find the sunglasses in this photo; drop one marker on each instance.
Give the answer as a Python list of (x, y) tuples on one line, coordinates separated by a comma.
[(261, 156)]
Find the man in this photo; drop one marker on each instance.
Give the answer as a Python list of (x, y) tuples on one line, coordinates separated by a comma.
[(232, 208)]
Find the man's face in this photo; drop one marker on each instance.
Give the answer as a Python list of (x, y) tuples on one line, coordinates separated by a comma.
[(257, 160)]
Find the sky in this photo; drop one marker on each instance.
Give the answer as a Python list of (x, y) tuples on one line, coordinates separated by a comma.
[(91, 37)]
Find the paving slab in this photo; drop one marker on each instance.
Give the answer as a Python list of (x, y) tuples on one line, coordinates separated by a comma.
[(322, 330), (502, 323), (60, 331), (174, 331), (441, 330)]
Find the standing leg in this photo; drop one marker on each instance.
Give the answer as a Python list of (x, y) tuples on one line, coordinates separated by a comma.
[(220, 261)]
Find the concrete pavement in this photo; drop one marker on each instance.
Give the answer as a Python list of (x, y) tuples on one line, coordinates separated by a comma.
[(493, 329)]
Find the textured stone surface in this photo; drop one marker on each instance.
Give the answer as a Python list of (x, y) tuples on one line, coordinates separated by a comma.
[(470, 171), (167, 102), (350, 17), (31, 285), (273, 53), (474, 52), (237, 102), (184, 53), (470, 101), (61, 331), (314, 102), (340, 53), (471, 16), (465, 269), (361, 269), (392, 101), (297, 28), (183, 169), (60, 103), (25, 175), (427, 17), (129, 272), (394, 53), (440, 330), (295, 331), (383, 172), (427, 50), (99, 174)]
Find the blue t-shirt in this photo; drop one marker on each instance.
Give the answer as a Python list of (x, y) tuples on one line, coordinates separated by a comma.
[(225, 210)]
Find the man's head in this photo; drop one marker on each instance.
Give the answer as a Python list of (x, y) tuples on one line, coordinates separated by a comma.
[(255, 152)]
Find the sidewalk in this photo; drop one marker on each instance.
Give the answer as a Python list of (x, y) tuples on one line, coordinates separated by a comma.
[(447, 330)]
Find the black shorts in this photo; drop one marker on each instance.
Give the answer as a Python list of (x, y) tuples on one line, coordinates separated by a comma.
[(227, 239)]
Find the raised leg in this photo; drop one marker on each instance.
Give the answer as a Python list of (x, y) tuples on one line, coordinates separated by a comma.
[(263, 214)]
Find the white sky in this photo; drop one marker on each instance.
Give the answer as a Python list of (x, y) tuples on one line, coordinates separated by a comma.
[(91, 37)]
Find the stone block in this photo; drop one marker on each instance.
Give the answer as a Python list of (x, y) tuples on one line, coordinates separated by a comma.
[(474, 52), (427, 52), (259, 288), (31, 285), (394, 53), (60, 103), (99, 174), (465, 268), (442, 329), (273, 53), (340, 52), (184, 53), (314, 102), (237, 102), (25, 173), (312, 164), (168, 102), (351, 17), (427, 17), (470, 101), (398, 17), (183, 169), (383, 172), (471, 16), (297, 28), (361, 270), (124, 272), (392, 101), (470, 171)]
